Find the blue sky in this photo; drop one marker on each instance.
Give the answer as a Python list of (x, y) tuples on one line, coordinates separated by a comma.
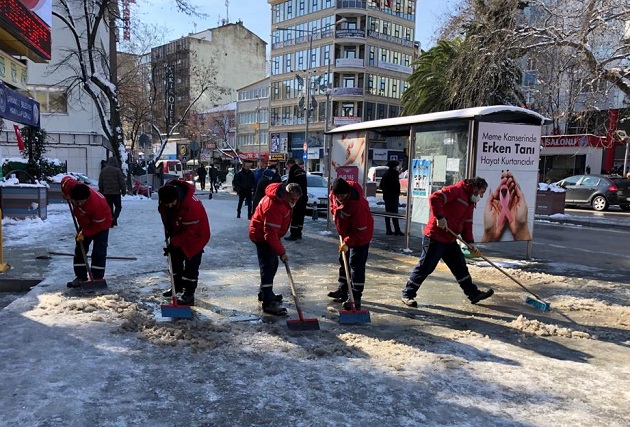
[(255, 15)]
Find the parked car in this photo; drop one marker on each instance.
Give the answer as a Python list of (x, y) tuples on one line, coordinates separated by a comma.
[(599, 191), (84, 179), (375, 173), (317, 191)]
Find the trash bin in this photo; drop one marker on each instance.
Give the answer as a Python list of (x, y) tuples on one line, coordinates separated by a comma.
[(550, 202), (370, 189)]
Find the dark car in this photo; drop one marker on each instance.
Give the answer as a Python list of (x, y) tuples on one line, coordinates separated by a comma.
[(599, 191)]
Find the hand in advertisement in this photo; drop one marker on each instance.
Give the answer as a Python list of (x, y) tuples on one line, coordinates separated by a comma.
[(506, 206)]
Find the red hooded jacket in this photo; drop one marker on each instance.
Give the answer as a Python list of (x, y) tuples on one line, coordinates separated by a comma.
[(95, 215), (353, 218), (271, 219), (187, 225), (453, 203)]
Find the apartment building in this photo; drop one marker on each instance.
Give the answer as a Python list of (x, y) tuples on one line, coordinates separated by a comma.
[(336, 62), (252, 123)]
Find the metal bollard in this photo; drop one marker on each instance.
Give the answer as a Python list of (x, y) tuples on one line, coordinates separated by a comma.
[(315, 214)]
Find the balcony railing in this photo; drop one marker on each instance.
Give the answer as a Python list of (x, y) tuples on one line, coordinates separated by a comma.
[(351, 4)]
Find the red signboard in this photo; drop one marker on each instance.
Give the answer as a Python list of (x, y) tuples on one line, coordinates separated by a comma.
[(349, 173), (26, 27), (564, 141)]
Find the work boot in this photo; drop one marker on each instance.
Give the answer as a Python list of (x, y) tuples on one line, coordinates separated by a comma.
[(292, 238), (238, 214), (348, 306), (186, 300), (274, 308), (480, 296), (339, 295), (410, 302), (276, 297), (76, 283)]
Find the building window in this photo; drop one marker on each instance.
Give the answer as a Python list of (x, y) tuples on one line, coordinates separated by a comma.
[(347, 109), (52, 100)]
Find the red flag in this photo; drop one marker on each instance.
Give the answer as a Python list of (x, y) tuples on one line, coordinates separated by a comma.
[(18, 135)]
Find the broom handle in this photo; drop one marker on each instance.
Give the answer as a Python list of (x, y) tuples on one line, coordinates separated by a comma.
[(345, 267), (83, 252), (298, 308), (469, 246), (170, 271)]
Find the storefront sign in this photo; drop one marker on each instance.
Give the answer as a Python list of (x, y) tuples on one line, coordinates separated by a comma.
[(583, 140), (18, 108), (12, 72)]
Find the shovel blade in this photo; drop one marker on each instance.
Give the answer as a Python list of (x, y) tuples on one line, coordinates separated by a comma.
[(539, 304), (92, 285), (177, 311), (303, 325), (354, 316)]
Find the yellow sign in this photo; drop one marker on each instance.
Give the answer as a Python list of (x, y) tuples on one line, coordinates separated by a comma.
[(255, 126), (12, 71)]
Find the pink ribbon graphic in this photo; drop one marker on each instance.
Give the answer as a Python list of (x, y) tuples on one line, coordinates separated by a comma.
[(504, 199)]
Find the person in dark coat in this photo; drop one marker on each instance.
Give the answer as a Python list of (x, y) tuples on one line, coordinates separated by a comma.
[(202, 173), (187, 230), (270, 222), (452, 207), (111, 184), (355, 224), (94, 217), (269, 176), (214, 177), (244, 185), (297, 175), (390, 185)]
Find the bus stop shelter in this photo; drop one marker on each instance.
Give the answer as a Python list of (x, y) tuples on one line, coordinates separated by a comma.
[(499, 143)]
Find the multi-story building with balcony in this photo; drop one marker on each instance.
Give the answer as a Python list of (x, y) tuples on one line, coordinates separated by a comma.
[(335, 62), (252, 122)]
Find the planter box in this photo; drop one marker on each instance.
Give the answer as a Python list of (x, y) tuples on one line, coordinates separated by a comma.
[(550, 202), (24, 201), (54, 193)]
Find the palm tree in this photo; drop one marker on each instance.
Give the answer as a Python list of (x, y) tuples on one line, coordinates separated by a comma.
[(429, 88)]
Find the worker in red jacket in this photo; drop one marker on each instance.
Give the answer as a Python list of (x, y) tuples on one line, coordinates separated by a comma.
[(355, 224), (271, 221), (452, 208), (94, 218), (187, 231)]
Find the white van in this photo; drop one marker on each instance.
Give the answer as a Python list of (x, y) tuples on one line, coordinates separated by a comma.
[(375, 173), (169, 167)]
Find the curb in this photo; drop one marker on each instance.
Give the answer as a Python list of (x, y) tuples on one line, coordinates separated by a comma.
[(586, 223)]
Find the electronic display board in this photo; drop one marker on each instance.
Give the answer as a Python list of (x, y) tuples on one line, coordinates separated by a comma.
[(21, 20)]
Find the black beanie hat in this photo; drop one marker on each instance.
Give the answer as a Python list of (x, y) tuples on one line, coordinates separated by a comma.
[(341, 186), (168, 194), (392, 164), (80, 192)]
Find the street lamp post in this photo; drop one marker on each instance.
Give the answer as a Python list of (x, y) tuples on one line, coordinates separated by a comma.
[(258, 131)]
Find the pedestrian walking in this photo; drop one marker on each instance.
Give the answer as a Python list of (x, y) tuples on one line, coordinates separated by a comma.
[(202, 173), (93, 219), (269, 176), (297, 175), (111, 184), (390, 185), (214, 176), (244, 185), (270, 222), (451, 208), (355, 224), (187, 231)]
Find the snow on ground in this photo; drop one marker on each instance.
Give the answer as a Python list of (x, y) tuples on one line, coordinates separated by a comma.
[(71, 358)]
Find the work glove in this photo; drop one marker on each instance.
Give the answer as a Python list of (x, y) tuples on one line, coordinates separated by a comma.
[(80, 237), (284, 258), (474, 251), (343, 248), (441, 222)]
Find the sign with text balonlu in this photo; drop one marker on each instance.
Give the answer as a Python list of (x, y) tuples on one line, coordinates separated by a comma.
[(507, 157)]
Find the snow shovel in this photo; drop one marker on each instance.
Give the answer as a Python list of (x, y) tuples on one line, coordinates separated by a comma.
[(536, 301), (299, 324), (174, 310), (91, 284), (353, 315)]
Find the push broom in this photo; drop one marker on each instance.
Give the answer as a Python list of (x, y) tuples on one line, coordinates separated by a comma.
[(353, 315), (91, 284), (536, 301), (299, 324), (174, 310)]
